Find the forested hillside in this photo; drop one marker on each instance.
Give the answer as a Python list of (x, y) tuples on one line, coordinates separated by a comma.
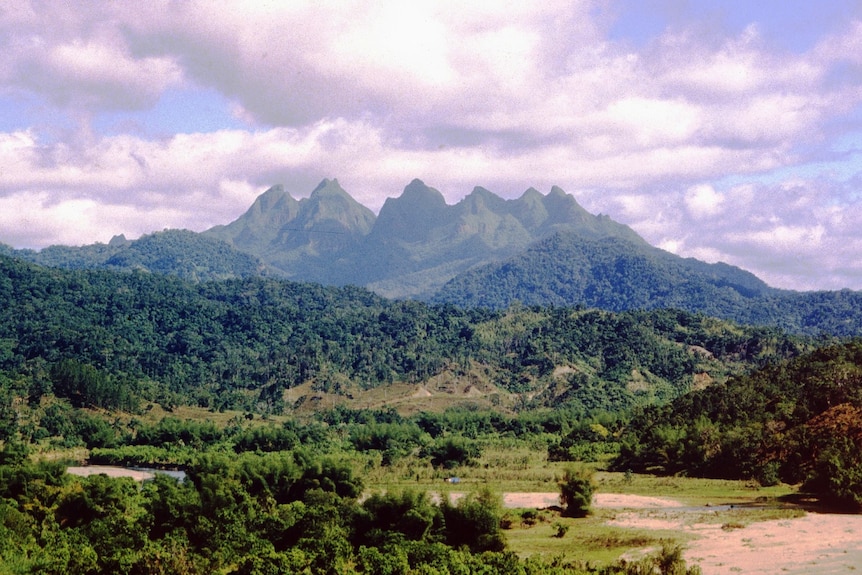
[(616, 274), (105, 338), (86, 357), (182, 253), (797, 421)]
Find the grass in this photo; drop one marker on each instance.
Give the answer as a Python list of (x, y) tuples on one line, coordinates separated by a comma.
[(519, 467), (689, 490), (589, 540)]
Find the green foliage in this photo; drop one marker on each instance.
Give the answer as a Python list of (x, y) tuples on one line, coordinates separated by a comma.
[(796, 421), (474, 521), (393, 440), (85, 386), (668, 561), (172, 431), (576, 492), (560, 530), (116, 340), (266, 438), (451, 451), (252, 513), (394, 517)]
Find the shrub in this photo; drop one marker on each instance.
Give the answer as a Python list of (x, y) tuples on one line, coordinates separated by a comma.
[(576, 493)]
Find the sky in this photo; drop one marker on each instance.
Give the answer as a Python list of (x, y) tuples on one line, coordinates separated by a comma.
[(723, 130)]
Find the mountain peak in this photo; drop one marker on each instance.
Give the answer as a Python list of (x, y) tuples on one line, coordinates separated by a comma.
[(328, 187), (119, 241), (413, 214), (421, 196), (482, 201), (260, 223)]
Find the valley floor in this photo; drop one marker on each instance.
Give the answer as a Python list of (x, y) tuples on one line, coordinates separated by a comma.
[(816, 543)]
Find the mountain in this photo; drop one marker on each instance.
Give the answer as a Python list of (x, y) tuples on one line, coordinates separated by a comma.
[(415, 244), (482, 251), (419, 242), (182, 253), (261, 224), (608, 273), (305, 239)]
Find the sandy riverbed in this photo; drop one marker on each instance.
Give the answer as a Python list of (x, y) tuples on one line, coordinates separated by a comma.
[(110, 471), (815, 544)]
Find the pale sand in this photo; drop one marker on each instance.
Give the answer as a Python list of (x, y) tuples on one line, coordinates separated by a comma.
[(110, 471), (622, 501), (816, 543), (605, 500)]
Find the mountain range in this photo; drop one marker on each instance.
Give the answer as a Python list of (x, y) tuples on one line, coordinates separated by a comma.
[(416, 243), (482, 251)]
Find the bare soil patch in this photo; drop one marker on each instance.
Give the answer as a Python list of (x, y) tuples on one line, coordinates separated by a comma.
[(110, 471), (816, 543)]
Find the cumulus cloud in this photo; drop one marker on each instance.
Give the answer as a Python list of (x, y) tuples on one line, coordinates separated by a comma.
[(703, 201), (504, 95)]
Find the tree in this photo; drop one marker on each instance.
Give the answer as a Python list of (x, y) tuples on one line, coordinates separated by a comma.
[(449, 452), (474, 522), (576, 492)]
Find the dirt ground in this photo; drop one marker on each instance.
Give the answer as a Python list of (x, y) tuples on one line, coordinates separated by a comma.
[(110, 471), (816, 544)]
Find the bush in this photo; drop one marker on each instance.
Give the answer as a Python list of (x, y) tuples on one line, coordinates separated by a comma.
[(576, 493), (474, 522), (450, 452)]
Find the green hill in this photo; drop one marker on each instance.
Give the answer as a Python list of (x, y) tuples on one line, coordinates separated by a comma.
[(607, 273), (615, 274), (174, 252), (265, 344)]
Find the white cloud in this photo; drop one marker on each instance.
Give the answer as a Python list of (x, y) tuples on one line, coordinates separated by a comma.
[(703, 201), (654, 122), (504, 95)]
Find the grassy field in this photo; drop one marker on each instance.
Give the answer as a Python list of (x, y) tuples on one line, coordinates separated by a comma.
[(520, 468), (589, 539), (689, 490)]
